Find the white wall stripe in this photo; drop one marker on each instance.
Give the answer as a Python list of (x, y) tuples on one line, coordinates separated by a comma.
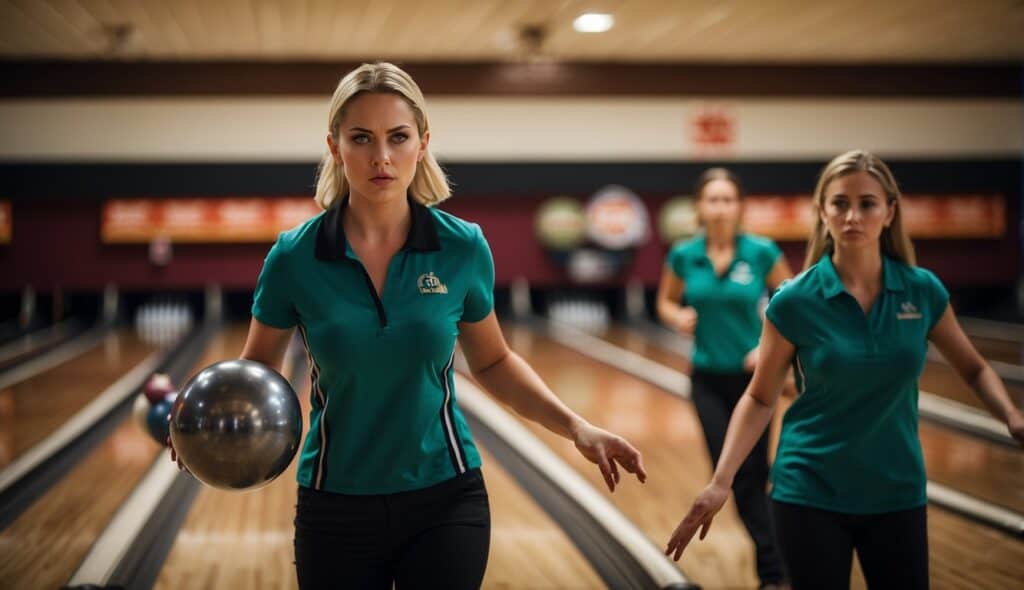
[(292, 129)]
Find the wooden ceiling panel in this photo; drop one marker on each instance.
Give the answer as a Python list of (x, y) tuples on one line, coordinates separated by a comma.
[(750, 31)]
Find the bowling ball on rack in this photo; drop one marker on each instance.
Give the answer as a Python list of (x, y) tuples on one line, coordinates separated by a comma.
[(236, 425), (157, 387), (158, 417)]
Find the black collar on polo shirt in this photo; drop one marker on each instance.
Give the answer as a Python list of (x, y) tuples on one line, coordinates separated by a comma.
[(330, 236)]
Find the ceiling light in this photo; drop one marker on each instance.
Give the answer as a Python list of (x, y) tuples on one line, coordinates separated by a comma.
[(593, 22)]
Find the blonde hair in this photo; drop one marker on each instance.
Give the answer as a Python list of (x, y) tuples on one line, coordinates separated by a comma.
[(894, 241), (429, 184)]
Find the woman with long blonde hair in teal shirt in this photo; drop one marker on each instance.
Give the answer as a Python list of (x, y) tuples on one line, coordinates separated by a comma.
[(849, 474)]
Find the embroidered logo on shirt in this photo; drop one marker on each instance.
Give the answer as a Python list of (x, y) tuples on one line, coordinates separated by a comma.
[(909, 312), (741, 273), (429, 283)]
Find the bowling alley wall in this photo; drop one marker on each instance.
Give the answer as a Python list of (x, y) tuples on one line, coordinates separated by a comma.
[(95, 159)]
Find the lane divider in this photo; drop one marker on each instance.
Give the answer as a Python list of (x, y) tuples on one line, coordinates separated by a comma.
[(931, 407), (61, 354), (132, 549), (81, 422), (678, 384), (614, 524)]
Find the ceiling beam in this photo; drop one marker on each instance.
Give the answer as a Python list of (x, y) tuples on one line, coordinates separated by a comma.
[(28, 79)]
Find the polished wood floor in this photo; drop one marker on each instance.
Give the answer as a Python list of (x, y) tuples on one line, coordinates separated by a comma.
[(232, 540), (943, 380), (31, 410), (1000, 350), (666, 430), (963, 554), (988, 471), (46, 544)]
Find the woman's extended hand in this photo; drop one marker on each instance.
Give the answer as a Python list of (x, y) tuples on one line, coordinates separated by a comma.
[(609, 451), (703, 511), (176, 458)]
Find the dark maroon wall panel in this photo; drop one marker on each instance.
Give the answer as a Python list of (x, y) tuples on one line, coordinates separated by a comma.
[(56, 243)]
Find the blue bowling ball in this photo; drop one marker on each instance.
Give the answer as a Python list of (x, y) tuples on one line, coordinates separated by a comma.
[(158, 419)]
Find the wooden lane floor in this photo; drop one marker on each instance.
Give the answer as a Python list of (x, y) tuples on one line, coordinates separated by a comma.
[(635, 341), (988, 471), (32, 410), (44, 546), (941, 379), (244, 540), (232, 540), (528, 549), (665, 429), (999, 350), (958, 548)]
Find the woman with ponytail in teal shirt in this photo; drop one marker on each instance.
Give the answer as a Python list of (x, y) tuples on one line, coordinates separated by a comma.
[(721, 276)]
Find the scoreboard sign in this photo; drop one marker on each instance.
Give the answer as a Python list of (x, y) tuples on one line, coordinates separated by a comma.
[(128, 221), (966, 216)]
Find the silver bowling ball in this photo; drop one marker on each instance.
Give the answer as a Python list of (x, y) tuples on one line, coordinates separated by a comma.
[(236, 425)]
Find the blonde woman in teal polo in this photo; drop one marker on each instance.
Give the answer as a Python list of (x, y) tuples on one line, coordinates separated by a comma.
[(849, 473), (380, 286), (711, 287)]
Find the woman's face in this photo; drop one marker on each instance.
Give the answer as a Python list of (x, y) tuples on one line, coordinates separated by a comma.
[(719, 205), (379, 146), (856, 210)]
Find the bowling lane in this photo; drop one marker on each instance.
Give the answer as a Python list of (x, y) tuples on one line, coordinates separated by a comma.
[(233, 540), (988, 471), (635, 341), (42, 548), (32, 410), (238, 540), (941, 379), (938, 378), (999, 350), (668, 433), (528, 549)]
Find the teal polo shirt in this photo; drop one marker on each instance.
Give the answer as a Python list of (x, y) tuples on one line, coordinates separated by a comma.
[(849, 442), (384, 416), (728, 319)]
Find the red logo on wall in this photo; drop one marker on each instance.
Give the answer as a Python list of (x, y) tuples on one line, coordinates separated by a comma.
[(714, 129)]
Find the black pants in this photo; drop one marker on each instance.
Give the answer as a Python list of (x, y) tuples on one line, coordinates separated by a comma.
[(716, 395), (818, 547), (437, 537)]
